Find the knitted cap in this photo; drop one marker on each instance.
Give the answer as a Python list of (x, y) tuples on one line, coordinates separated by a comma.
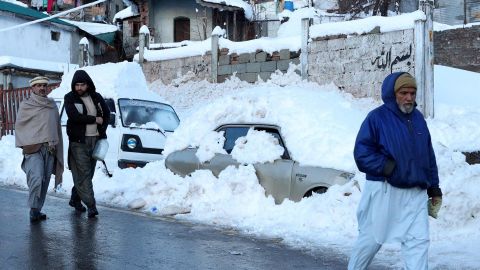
[(39, 80), (405, 80)]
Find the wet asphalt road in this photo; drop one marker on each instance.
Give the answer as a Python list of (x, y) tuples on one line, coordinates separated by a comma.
[(126, 240)]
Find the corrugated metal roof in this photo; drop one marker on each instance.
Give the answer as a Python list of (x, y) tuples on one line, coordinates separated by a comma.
[(109, 38)]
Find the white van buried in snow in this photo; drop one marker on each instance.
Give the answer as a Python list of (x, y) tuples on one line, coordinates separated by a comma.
[(140, 120)]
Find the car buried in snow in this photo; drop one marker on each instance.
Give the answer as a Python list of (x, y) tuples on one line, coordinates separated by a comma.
[(284, 178)]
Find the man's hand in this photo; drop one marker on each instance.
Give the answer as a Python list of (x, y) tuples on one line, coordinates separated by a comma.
[(99, 120), (434, 204)]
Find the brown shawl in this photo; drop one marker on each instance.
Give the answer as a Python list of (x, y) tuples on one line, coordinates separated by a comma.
[(38, 122)]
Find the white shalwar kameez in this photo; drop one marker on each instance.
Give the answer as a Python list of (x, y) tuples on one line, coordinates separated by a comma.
[(388, 214)]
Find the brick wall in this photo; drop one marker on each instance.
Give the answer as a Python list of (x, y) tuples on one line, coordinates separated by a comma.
[(249, 66), (458, 48)]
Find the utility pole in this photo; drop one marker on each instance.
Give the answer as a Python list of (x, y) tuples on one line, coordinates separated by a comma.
[(427, 7)]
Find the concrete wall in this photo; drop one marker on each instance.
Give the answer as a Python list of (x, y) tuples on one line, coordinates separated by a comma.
[(249, 66), (35, 41), (458, 48), (169, 70), (163, 13), (358, 64)]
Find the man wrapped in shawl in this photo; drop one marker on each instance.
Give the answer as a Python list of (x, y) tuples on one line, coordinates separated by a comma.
[(38, 132)]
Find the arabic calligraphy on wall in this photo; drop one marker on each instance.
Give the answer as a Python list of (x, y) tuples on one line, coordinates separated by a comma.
[(386, 59)]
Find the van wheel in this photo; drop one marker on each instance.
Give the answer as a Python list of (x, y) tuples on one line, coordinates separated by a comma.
[(318, 190)]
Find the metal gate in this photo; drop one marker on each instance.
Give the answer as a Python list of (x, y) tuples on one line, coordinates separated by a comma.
[(9, 101)]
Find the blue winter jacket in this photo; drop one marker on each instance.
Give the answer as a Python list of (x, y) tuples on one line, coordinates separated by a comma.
[(396, 147)]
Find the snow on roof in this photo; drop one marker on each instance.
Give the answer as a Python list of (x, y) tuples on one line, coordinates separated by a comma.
[(41, 65), (94, 28), (113, 80), (247, 8), (125, 13)]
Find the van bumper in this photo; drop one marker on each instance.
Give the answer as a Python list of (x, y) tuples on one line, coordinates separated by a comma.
[(124, 163)]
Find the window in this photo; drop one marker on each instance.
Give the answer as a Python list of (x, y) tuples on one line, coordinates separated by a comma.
[(144, 114), (275, 134), (135, 26), (181, 29), (231, 134), (55, 35)]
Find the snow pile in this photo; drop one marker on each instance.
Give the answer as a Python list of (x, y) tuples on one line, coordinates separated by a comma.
[(119, 80), (316, 141), (247, 148)]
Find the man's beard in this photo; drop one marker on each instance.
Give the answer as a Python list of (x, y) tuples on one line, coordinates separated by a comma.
[(406, 108), (42, 93)]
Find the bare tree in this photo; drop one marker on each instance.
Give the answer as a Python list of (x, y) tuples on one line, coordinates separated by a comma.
[(375, 7), (202, 21)]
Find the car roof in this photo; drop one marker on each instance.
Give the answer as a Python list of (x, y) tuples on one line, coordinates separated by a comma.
[(248, 125)]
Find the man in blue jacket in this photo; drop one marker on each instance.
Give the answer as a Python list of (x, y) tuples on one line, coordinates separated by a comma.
[(393, 148)]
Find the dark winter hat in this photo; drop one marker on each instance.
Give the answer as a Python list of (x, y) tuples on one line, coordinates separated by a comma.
[(81, 76), (405, 80)]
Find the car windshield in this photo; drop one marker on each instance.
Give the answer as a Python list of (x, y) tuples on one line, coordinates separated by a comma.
[(147, 114)]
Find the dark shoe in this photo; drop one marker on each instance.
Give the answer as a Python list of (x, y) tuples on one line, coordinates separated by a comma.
[(92, 212), (77, 205), (42, 216), (36, 216)]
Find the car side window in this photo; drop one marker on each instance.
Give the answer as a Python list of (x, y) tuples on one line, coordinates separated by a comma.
[(276, 134), (231, 135)]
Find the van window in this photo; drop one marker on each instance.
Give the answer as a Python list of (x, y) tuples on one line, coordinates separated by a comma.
[(144, 114)]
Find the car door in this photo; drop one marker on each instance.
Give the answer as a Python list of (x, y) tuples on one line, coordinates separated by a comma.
[(274, 177), (221, 161)]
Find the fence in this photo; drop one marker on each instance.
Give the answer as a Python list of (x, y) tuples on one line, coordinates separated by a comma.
[(10, 99)]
